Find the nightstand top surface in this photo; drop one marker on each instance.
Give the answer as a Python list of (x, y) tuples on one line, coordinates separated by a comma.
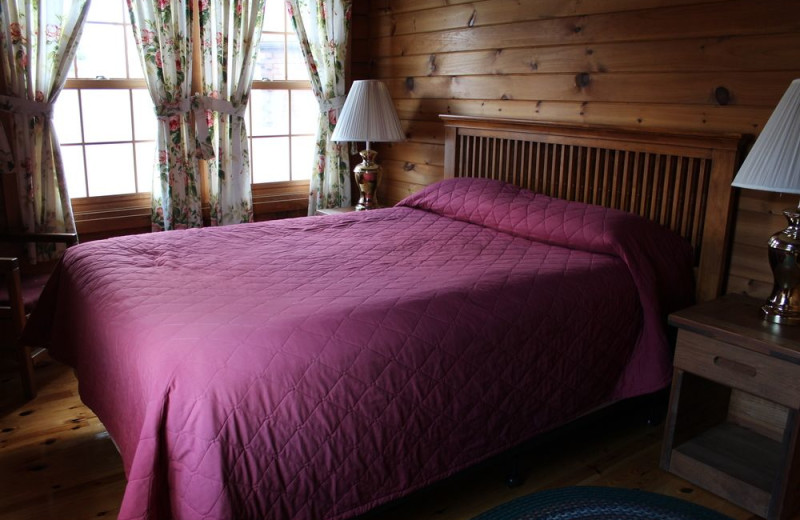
[(335, 211), (737, 319)]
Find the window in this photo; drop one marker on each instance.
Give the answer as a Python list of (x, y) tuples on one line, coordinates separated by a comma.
[(105, 120), (104, 115), (283, 111)]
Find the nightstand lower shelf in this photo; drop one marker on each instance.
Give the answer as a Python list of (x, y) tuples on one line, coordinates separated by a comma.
[(731, 460)]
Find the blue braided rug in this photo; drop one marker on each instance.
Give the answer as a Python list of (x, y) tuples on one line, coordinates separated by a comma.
[(599, 503)]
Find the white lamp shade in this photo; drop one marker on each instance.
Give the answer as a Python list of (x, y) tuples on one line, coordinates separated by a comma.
[(773, 163), (368, 114)]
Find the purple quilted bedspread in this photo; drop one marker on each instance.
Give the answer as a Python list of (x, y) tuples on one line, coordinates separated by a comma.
[(314, 368)]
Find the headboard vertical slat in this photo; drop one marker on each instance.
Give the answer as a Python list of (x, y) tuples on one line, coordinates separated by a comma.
[(635, 179), (530, 171), (655, 184), (490, 158), (692, 189), (663, 193), (597, 184), (478, 168), (644, 183), (680, 180), (514, 160), (623, 193), (617, 178), (580, 176), (461, 158), (544, 166), (679, 201)]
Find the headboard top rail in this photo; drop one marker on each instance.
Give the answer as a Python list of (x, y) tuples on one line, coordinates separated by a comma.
[(680, 180), (625, 136)]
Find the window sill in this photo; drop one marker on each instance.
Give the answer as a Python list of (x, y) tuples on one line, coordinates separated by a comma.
[(113, 215)]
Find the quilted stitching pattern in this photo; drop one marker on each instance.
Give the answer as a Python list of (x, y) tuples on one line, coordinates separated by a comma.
[(315, 368)]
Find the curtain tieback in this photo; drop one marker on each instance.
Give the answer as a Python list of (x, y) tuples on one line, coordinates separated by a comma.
[(26, 107), (326, 105), (202, 103), (199, 105), (167, 110)]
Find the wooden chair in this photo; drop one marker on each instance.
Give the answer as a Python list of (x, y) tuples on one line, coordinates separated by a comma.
[(19, 294)]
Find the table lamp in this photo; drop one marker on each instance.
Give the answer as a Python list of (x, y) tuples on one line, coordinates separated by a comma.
[(773, 164), (368, 115)]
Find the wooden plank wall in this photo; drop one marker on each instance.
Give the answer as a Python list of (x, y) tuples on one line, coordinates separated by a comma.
[(713, 65)]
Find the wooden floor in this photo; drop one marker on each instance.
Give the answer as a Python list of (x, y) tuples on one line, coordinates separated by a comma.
[(57, 462)]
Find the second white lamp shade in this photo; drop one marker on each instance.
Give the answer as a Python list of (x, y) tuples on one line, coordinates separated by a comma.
[(773, 163), (368, 115)]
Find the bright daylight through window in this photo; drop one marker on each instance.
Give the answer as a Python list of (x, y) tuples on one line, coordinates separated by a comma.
[(105, 120)]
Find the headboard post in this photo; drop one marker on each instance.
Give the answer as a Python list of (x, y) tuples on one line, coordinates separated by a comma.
[(716, 234), (680, 180), (449, 150)]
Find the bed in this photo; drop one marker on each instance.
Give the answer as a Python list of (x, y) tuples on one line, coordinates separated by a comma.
[(316, 368)]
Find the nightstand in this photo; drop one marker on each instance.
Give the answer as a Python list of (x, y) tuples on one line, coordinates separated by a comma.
[(732, 423), (334, 211)]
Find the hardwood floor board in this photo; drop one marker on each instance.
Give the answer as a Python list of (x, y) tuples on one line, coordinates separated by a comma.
[(56, 458), (97, 500), (57, 461)]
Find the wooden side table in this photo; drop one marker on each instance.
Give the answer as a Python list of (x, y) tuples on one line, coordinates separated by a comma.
[(732, 424), (334, 211)]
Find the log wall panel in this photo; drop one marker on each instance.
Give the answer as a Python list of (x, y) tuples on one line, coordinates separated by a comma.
[(714, 119), (709, 66), (497, 11), (718, 19), (648, 88), (753, 52)]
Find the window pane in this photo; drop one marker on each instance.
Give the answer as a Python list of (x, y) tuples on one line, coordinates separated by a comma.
[(101, 52), (269, 159), (305, 112), (297, 69), (302, 157), (274, 16), (271, 60), (145, 165), (67, 117), (72, 156), (106, 11), (270, 112), (110, 169), (144, 117), (106, 115)]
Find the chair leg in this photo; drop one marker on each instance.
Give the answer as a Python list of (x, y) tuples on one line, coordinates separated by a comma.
[(26, 370)]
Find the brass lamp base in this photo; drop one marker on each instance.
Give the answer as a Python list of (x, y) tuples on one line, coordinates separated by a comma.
[(367, 175), (783, 305)]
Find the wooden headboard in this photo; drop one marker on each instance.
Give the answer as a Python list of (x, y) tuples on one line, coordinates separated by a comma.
[(680, 180)]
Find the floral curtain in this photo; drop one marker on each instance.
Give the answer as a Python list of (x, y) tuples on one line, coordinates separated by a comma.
[(230, 31), (323, 27), (37, 42), (163, 33)]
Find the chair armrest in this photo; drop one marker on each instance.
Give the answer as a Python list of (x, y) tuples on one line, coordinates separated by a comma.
[(8, 264), (14, 309), (70, 239)]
